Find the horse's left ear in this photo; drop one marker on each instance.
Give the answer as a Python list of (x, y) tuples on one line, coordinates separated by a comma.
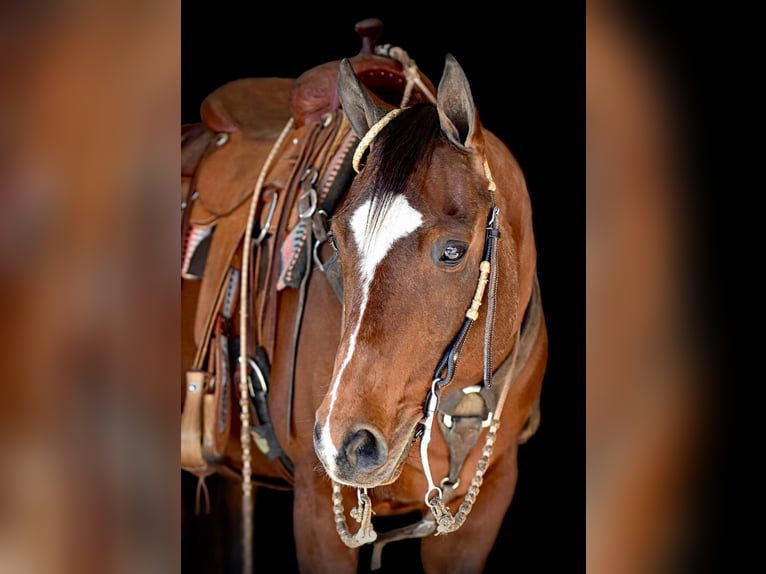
[(457, 112)]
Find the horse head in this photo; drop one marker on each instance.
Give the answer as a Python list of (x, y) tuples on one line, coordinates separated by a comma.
[(411, 235)]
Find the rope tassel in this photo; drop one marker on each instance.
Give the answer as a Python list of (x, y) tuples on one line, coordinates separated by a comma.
[(362, 513)]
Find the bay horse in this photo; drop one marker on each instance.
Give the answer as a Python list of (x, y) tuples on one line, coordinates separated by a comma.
[(418, 304)]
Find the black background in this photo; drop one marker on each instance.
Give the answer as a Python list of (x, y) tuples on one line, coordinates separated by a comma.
[(524, 64)]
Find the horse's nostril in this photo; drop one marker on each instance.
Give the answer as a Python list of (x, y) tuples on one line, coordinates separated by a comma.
[(365, 449), (361, 447)]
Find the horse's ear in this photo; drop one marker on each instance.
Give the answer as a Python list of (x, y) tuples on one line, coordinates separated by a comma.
[(361, 107), (457, 112)]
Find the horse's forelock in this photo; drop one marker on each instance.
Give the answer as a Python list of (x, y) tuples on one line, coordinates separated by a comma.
[(407, 142)]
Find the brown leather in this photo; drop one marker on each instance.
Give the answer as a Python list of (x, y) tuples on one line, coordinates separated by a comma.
[(258, 108), (263, 261), (219, 175), (227, 175), (195, 139), (226, 239), (216, 407), (191, 423), (241, 160), (253, 106), (315, 90), (186, 183)]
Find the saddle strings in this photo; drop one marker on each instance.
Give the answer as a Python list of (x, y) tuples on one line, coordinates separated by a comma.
[(411, 72)]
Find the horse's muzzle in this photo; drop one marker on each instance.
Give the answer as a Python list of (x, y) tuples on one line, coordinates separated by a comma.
[(360, 458)]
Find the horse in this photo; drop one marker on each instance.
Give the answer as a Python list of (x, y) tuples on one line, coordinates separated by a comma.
[(385, 273)]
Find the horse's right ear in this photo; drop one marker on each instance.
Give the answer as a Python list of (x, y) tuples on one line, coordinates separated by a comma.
[(457, 112), (361, 107)]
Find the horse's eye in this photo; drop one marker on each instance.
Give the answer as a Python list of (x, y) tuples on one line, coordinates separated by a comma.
[(453, 253)]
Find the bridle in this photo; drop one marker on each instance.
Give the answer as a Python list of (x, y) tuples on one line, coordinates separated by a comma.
[(445, 370), (444, 373)]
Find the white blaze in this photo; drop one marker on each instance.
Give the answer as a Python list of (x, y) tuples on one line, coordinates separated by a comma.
[(373, 245)]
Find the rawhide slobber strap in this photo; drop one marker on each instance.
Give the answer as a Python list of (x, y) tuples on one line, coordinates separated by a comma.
[(292, 136)]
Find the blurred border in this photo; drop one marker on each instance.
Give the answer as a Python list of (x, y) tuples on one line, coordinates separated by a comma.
[(523, 66), (653, 451), (89, 251)]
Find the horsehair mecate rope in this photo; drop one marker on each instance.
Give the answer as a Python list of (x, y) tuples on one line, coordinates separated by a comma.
[(447, 523), (371, 134), (244, 397), (362, 513)]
